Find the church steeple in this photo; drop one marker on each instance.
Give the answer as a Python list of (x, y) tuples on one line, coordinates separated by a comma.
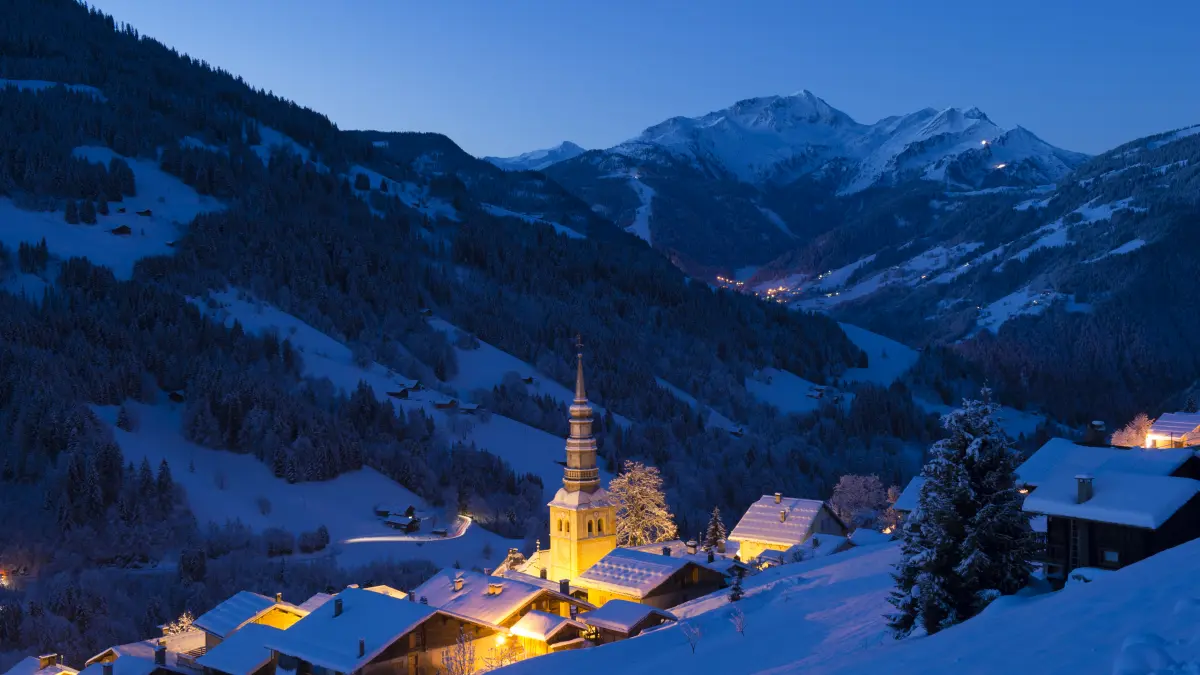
[(581, 474)]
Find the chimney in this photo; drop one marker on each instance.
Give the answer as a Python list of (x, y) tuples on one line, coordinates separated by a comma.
[(691, 547), (47, 660), (1095, 434), (778, 497), (107, 669), (487, 571), (667, 551), (494, 589), (782, 515), (424, 600), (711, 556), (279, 597), (458, 581), (564, 586), (720, 546), (412, 598), (160, 654), (1084, 481), (337, 606), (362, 647), (543, 573)]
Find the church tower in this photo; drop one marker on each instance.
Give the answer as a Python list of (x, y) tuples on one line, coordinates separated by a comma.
[(582, 519)]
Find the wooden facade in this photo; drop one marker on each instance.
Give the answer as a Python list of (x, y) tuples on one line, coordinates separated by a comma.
[(688, 583), (1072, 543)]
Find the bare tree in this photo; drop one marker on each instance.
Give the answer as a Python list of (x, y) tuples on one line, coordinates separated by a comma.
[(181, 625), (507, 652), (460, 658), (1133, 434), (692, 632), (859, 500), (738, 618)]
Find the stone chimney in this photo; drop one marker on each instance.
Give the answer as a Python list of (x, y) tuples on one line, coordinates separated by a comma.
[(720, 546), (782, 515), (424, 600), (47, 660), (412, 598), (666, 551), (494, 589), (778, 497), (362, 647), (564, 586), (1084, 482), (487, 571), (337, 606), (160, 654), (691, 547)]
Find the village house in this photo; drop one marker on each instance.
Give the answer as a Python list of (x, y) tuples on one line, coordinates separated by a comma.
[(242, 609), (245, 652), (46, 664), (493, 600), (1174, 430), (541, 633), (621, 619), (777, 523), (157, 656), (906, 503), (658, 580)]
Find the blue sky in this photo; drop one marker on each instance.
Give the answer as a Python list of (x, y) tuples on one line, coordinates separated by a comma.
[(504, 76)]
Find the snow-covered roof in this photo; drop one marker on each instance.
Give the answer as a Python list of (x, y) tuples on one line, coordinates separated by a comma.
[(398, 520), (567, 499), (1063, 457), (475, 600), (542, 626), (761, 522), (32, 665), (1175, 424), (907, 501), (315, 601), (622, 615), (722, 562), (241, 653), (330, 641), (388, 590), (630, 572), (137, 658), (865, 536), (1136, 500), (235, 612)]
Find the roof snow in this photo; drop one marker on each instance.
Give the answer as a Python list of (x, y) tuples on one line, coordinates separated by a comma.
[(1063, 457), (475, 601), (538, 625), (234, 613), (32, 665), (622, 616), (761, 522), (567, 499), (1136, 500), (907, 501), (1175, 424), (315, 601), (137, 658), (241, 653), (631, 572), (329, 641), (722, 562)]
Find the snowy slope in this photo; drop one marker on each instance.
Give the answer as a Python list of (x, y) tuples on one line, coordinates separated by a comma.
[(173, 204), (715, 418), (887, 359), (537, 160), (38, 85), (228, 486), (505, 213), (786, 391)]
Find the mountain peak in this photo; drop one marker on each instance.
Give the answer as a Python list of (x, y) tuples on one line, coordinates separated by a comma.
[(538, 160)]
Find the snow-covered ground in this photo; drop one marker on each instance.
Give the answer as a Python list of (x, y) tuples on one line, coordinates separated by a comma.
[(886, 359), (715, 418), (173, 204), (641, 220), (414, 196), (1014, 422), (1128, 247), (834, 279), (526, 449), (784, 390), (1021, 302), (229, 486), (38, 85), (505, 213)]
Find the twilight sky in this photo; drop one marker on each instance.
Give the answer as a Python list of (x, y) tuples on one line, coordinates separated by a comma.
[(502, 77)]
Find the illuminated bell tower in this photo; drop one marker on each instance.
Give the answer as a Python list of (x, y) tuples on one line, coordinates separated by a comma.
[(582, 519)]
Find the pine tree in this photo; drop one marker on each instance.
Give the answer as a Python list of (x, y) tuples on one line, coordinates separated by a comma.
[(164, 488), (1191, 405), (102, 207), (968, 540), (87, 212), (716, 529), (123, 421), (383, 185), (642, 513), (735, 591), (145, 482), (72, 214)]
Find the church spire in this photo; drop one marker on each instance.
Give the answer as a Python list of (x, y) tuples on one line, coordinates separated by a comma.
[(581, 474)]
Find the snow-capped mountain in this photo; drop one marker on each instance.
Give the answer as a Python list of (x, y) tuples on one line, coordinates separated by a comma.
[(752, 179), (538, 159)]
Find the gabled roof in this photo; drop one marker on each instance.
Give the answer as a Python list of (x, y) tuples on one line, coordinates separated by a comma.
[(1175, 424), (388, 590), (1063, 457), (315, 601), (542, 626), (395, 519), (622, 616), (722, 562), (907, 501), (330, 641), (631, 572), (137, 658), (243, 652), (32, 665), (234, 613), (762, 523), (475, 602), (1135, 500)]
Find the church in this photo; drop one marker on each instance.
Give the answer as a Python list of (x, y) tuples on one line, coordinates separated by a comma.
[(583, 554)]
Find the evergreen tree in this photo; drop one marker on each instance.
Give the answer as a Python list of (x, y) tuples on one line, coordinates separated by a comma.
[(87, 212), (735, 591), (145, 480), (361, 182), (102, 207), (164, 489), (72, 214), (642, 513), (123, 421), (383, 185), (716, 529), (1191, 405), (968, 540)]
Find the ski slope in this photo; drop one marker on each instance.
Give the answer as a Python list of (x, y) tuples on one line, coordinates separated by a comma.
[(228, 486)]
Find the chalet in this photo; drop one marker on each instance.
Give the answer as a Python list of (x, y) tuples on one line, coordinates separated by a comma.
[(660, 580), (621, 619), (425, 311), (171, 244), (47, 664), (726, 561), (243, 653), (498, 601), (778, 523), (121, 231), (738, 431), (242, 609), (1113, 518), (145, 213), (1174, 430), (175, 396), (403, 523), (167, 655), (1062, 457), (528, 379), (469, 408), (447, 404), (542, 632), (907, 501), (439, 532), (121, 210), (398, 393)]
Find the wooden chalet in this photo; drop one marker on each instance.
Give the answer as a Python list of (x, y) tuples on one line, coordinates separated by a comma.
[(121, 231), (403, 523), (621, 619), (448, 404), (777, 523), (657, 580), (145, 213)]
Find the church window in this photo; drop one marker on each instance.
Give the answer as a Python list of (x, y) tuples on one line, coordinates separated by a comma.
[(568, 527), (560, 524), (589, 528), (600, 526)]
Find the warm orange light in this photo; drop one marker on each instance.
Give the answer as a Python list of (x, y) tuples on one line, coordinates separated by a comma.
[(501, 638)]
